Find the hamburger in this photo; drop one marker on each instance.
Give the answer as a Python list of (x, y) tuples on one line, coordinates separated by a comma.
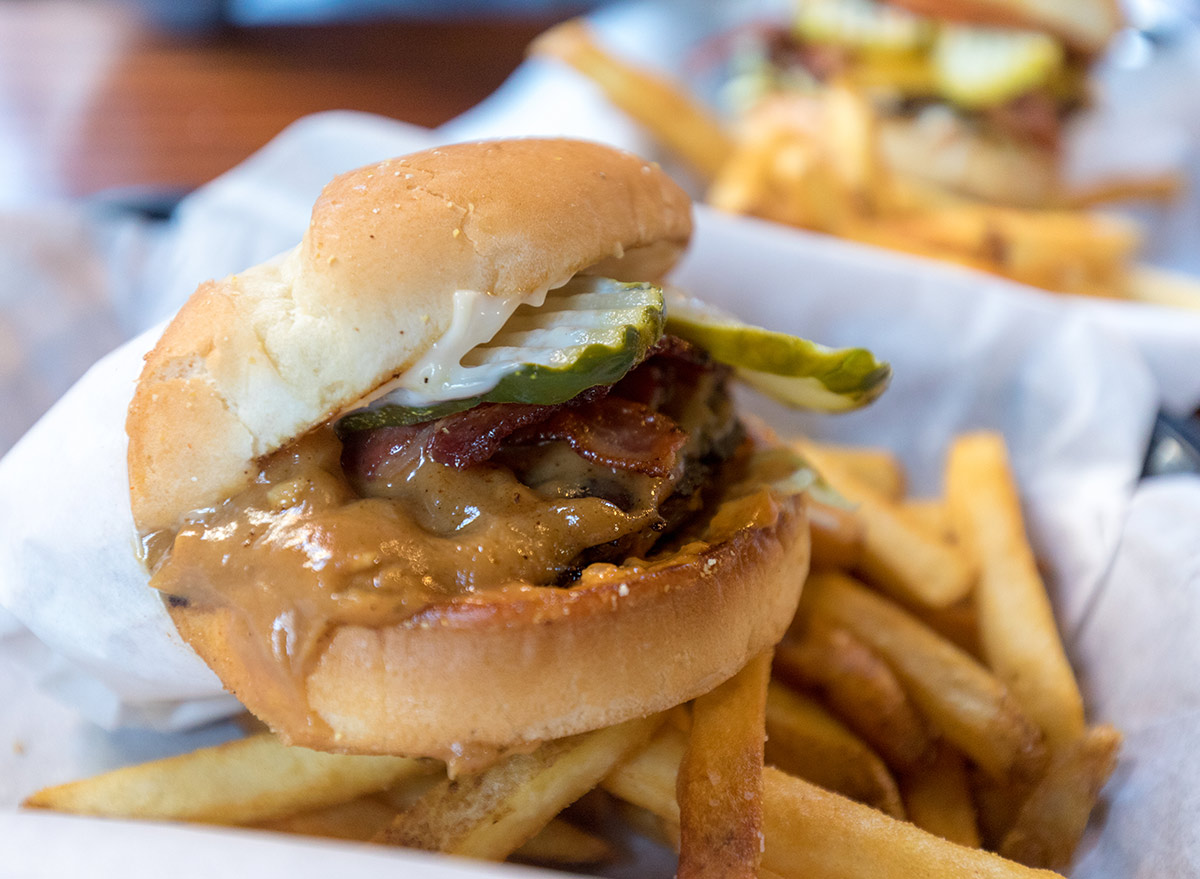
[(454, 476), (973, 97)]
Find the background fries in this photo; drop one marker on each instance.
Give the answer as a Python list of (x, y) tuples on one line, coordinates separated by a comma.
[(687, 128), (960, 717), (814, 160)]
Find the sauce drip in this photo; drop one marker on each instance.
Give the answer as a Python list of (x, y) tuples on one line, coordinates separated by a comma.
[(303, 550)]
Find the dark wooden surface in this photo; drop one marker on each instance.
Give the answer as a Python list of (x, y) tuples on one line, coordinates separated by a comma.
[(93, 97)]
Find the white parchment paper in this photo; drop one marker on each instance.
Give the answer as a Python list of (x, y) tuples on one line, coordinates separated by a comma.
[(1074, 386)]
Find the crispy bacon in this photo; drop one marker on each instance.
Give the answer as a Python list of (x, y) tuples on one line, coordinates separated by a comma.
[(461, 440), (613, 432), (622, 431)]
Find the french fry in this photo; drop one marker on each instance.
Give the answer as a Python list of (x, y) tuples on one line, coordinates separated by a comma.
[(719, 787), (874, 467), (938, 799), (1162, 188), (1053, 817), (805, 740), (358, 820), (837, 536), (996, 805), (667, 111), (491, 814), (862, 690), (905, 561), (811, 832), (562, 844), (241, 782), (898, 557), (1160, 287), (958, 623), (647, 778), (931, 514), (971, 707), (1017, 629)]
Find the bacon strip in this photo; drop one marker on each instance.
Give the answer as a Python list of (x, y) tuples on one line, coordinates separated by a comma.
[(621, 433), (615, 433)]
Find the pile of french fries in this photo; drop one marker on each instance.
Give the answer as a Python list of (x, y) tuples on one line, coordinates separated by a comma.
[(813, 160), (921, 719)]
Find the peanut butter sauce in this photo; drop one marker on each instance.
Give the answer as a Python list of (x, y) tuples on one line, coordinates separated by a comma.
[(303, 550)]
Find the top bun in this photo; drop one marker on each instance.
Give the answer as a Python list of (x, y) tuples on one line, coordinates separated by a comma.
[(252, 361)]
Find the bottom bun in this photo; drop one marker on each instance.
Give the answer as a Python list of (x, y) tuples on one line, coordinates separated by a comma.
[(470, 678)]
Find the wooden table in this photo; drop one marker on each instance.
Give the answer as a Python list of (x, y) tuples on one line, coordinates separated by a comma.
[(93, 97)]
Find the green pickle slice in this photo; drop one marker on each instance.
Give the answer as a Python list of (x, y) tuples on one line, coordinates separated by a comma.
[(985, 66), (591, 331), (862, 24), (789, 369)]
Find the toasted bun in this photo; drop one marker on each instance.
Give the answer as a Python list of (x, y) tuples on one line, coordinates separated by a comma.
[(256, 359), (479, 675), (955, 156)]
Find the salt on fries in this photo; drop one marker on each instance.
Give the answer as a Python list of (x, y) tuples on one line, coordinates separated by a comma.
[(902, 731), (815, 161)]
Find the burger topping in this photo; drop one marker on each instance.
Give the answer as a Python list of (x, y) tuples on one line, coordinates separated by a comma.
[(794, 371)]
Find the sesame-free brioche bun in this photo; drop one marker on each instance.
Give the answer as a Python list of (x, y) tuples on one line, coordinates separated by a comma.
[(258, 358)]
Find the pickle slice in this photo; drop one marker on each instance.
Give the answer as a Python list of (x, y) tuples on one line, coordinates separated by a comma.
[(985, 66), (591, 331), (861, 24), (792, 370)]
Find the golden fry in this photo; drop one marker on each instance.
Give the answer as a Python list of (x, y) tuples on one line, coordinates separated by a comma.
[(1160, 287), (810, 832), (490, 815), (862, 690), (241, 782), (938, 799), (837, 536), (874, 467), (358, 820), (972, 708), (562, 844), (996, 805), (1053, 817), (898, 557), (1017, 629), (931, 514), (958, 623), (805, 740), (720, 779), (647, 778), (668, 112)]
